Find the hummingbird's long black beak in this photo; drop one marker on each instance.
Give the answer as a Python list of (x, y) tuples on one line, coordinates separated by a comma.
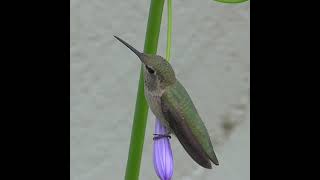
[(138, 53)]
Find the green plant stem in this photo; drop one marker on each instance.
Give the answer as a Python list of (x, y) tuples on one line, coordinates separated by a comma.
[(141, 109), (169, 30)]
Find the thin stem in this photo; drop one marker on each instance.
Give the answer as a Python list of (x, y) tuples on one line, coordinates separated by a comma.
[(141, 109), (169, 30)]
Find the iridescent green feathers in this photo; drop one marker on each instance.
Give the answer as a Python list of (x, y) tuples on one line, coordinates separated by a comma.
[(187, 125)]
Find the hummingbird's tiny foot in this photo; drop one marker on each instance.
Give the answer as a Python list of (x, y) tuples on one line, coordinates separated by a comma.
[(159, 136)]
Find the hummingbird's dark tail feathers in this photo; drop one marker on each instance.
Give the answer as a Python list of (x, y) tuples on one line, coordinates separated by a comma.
[(138, 53), (195, 151), (187, 139), (212, 156)]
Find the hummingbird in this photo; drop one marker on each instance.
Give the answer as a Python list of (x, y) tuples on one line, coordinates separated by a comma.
[(172, 105)]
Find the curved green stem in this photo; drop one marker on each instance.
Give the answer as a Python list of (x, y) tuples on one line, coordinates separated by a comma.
[(169, 30), (141, 109)]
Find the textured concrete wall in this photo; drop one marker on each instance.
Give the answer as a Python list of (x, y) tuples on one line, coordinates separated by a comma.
[(210, 54)]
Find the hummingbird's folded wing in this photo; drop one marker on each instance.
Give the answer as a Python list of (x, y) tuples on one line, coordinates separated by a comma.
[(187, 125)]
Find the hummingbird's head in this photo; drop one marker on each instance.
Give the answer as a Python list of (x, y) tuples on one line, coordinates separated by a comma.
[(157, 71)]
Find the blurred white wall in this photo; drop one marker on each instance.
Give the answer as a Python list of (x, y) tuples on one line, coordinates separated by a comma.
[(210, 54)]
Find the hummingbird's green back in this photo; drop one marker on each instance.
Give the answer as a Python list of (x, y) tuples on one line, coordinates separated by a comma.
[(184, 120)]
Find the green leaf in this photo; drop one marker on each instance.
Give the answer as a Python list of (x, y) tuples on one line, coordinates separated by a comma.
[(231, 1)]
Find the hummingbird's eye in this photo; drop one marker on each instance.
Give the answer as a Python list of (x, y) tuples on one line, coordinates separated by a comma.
[(151, 71)]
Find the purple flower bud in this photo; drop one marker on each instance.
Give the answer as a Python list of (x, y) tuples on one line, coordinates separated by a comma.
[(162, 153)]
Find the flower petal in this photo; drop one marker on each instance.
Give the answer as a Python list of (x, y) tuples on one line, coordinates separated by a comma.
[(162, 153)]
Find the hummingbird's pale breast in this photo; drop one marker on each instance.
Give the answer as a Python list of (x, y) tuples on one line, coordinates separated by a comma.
[(153, 94)]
